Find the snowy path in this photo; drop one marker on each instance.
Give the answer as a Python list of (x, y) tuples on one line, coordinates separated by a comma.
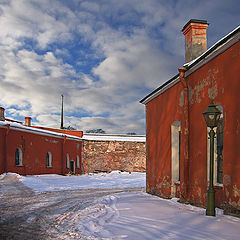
[(48, 215), (47, 211)]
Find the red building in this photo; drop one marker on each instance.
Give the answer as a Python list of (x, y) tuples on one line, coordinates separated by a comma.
[(177, 135), (25, 149)]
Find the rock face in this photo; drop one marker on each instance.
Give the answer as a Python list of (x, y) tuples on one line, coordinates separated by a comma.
[(114, 155)]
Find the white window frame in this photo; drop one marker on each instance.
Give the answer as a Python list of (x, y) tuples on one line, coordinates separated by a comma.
[(175, 153), (78, 162), (67, 161)]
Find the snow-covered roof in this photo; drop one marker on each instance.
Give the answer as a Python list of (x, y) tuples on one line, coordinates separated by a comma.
[(114, 137), (20, 127)]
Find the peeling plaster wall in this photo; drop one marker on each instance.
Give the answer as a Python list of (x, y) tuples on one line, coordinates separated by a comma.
[(218, 80), (114, 155), (161, 113)]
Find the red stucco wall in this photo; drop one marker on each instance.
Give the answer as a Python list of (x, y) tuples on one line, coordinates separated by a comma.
[(34, 147), (219, 80), (161, 112)]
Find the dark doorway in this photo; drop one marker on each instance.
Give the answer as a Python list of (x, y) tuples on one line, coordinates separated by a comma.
[(72, 167)]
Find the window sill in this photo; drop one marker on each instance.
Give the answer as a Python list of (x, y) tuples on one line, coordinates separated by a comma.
[(218, 186), (49, 167), (19, 165)]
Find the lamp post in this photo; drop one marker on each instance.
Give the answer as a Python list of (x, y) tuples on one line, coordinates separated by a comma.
[(212, 116)]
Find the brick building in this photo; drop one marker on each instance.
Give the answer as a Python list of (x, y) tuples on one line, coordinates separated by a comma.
[(28, 149), (177, 135), (25, 149)]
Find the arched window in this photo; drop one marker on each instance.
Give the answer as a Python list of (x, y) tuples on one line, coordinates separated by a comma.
[(49, 159), (176, 154), (78, 162), (18, 157), (176, 147), (67, 161)]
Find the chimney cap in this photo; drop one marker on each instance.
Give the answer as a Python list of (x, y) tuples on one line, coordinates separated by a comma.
[(195, 21)]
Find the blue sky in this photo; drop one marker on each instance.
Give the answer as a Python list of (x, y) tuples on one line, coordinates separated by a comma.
[(103, 55)]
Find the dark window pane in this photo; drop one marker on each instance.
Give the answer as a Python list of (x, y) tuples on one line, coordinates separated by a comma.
[(220, 151), (17, 157)]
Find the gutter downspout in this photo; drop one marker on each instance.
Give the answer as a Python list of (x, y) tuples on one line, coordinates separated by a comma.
[(63, 154), (185, 170)]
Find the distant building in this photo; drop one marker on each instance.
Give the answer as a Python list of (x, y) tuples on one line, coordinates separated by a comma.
[(177, 136), (26, 149)]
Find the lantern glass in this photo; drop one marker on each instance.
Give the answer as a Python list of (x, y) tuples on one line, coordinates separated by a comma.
[(212, 115)]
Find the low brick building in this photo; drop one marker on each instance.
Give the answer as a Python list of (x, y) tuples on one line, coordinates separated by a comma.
[(104, 152), (27, 150)]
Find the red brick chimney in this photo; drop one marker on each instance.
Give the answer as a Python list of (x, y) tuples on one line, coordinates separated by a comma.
[(2, 117), (28, 121), (195, 32)]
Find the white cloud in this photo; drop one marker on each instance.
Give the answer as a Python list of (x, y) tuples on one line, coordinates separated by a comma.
[(128, 48)]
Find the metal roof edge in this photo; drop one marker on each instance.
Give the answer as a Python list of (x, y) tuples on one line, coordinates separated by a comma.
[(41, 132), (159, 90)]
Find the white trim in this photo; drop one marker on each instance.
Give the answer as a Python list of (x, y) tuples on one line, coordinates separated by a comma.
[(112, 137), (40, 132)]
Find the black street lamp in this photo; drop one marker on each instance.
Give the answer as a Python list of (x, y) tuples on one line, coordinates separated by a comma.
[(212, 116)]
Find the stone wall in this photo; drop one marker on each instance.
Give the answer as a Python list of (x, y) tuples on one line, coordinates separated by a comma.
[(112, 155)]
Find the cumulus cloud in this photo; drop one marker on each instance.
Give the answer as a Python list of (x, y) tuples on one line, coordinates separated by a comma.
[(104, 56)]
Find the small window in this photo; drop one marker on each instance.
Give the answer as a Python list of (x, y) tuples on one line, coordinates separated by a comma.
[(67, 161), (49, 159), (78, 162), (18, 157)]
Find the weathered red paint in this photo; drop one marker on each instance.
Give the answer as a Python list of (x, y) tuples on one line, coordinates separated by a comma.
[(34, 146), (195, 39), (218, 79)]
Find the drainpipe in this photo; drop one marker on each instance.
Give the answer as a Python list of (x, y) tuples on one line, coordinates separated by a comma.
[(185, 170), (62, 154)]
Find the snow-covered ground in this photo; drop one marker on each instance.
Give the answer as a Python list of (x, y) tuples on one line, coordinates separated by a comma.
[(53, 182), (120, 215), (137, 215)]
